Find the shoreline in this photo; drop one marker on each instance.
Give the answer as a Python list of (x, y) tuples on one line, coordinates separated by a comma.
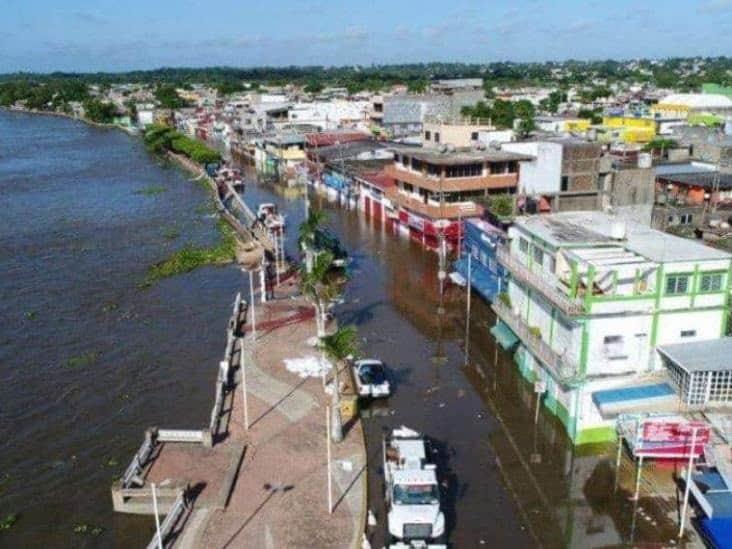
[(128, 131)]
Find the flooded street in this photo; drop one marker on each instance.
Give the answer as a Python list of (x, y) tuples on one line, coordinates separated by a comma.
[(89, 359)]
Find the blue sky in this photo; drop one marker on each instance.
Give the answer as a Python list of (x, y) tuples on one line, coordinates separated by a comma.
[(81, 35)]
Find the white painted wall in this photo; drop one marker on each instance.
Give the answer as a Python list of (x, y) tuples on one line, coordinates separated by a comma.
[(543, 174)]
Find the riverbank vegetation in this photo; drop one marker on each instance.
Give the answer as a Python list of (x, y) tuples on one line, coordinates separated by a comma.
[(190, 257), (160, 138), (100, 112)]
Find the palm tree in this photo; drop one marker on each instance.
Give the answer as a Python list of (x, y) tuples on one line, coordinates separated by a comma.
[(339, 346), (308, 231), (321, 287)]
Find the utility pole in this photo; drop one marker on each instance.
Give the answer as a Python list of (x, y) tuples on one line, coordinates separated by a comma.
[(242, 367), (469, 289), (328, 454), (157, 517), (687, 485), (252, 304)]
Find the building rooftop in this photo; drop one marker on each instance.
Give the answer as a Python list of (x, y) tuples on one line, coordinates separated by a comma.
[(461, 156), (700, 356), (698, 100), (699, 178), (593, 228)]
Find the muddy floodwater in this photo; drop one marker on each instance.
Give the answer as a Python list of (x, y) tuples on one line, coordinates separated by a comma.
[(89, 359)]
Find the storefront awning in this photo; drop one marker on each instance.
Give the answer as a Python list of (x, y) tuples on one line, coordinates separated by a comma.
[(635, 398), (504, 336)]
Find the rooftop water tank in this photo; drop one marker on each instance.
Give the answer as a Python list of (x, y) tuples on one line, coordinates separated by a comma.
[(645, 160), (617, 230)]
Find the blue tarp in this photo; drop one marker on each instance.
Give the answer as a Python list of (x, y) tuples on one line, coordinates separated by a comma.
[(718, 532), (625, 394)]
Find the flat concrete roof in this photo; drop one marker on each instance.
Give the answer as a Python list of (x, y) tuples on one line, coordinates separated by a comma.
[(461, 156), (700, 356), (594, 228)]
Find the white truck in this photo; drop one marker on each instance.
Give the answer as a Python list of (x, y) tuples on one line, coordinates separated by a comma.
[(412, 490)]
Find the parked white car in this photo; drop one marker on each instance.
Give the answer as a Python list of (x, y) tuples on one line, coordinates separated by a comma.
[(371, 378)]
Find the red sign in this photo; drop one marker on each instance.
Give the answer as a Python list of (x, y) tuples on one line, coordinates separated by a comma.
[(672, 439)]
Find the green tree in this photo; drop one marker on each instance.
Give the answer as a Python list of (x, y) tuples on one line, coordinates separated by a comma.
[(339, 346), (99, 111), (168, 97), (313, 86), (503, 114)]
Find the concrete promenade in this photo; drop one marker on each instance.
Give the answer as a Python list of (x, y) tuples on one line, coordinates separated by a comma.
[(275, 495)]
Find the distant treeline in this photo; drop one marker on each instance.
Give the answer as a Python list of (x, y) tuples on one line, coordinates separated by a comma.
[(673, 72)]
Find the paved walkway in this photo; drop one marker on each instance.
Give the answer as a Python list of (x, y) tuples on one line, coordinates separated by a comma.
[(277, 495)]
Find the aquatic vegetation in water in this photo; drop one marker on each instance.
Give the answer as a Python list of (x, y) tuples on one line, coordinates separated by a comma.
[(151, 191), (189, 257), (109, 307), (30, 315), (8, 522), (82, 360), (171, 233), (88, 529)]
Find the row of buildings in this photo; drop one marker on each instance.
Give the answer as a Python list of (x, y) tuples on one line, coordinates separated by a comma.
[(565, 229)]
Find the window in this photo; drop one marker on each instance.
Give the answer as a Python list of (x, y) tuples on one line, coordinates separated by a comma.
[(408, 187), (565, 183), (677, 284), (474, 136), (685, 219), (614, 347), (524, 245), (427, 135), (711, 282), (688, 333), (538, 256), (437, 137), (465, 170)]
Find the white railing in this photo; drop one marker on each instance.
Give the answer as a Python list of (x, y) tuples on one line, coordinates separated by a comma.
[(139, 460), (181, 435), (562, 367), (521, 272), (179, 507)]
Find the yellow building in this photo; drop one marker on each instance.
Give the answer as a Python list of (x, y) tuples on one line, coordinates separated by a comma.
[(629, 129), (577, 125)]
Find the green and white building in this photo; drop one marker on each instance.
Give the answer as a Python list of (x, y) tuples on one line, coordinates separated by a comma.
[(590, 297)]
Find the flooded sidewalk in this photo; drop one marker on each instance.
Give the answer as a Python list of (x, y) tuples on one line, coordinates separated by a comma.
[(278, 495)]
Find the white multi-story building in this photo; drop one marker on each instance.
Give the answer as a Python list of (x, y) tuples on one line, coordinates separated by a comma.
[(329, 115), (590, 298)]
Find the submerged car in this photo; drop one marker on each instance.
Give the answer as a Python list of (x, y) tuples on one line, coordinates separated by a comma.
[(371, 378)]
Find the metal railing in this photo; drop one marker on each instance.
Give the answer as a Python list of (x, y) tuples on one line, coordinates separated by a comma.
[(521, 272), (562, 367), (168, 525)]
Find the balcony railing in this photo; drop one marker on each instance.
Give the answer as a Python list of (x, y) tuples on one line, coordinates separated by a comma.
[(521, 272), (562, 367), (431, 211)]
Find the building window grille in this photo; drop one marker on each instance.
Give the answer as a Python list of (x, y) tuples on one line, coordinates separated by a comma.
[(524, 245), (711, 283), (677, 284), (538, 256)]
